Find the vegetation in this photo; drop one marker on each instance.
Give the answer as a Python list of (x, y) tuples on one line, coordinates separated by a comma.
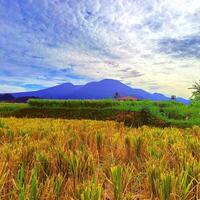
[(133, 113), (94, 160), (77, 104), (117, 95), (7, 109), (196, 91)]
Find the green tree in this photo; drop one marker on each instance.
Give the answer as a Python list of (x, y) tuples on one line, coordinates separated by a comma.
[(173, 98), (196, 91), (117, 95)]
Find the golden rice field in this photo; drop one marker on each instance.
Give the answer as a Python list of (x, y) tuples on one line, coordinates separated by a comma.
[(94, 160)]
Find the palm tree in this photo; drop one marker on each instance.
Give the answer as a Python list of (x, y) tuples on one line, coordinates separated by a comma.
[(196, 91)]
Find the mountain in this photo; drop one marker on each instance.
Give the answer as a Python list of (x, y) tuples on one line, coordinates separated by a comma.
[(159, 97), (106, 89), (95, 90), (6, 97), (11, 98), (182, 100), (57, 92)]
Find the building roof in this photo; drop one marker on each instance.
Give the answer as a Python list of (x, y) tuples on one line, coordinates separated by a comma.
[(127, 98)]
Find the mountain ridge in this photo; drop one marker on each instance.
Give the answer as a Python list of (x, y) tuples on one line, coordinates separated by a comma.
[(105, 88)]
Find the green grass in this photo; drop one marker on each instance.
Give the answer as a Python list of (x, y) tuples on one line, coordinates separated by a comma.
[(9, 108), (169, 113), (73, 103)]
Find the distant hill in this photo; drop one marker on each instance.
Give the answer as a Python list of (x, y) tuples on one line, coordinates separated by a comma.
[(7, 97), (11, 98), (94, 90), (57, 92)]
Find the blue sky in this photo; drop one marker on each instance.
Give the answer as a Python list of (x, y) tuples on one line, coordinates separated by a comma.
[(154, 45)]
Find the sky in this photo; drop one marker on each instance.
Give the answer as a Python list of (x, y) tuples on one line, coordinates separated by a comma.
[(148, 44)]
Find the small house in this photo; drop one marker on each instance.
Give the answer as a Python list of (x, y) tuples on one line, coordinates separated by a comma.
[(127, 98)]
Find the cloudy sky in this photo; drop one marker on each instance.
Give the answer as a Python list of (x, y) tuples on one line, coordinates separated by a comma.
[(148, 44)]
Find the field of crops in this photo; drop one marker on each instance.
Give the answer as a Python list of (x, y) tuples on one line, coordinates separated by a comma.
[(167, 113), (94, 160)]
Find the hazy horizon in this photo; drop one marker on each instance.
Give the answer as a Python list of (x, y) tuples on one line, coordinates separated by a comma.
[(151, 45)]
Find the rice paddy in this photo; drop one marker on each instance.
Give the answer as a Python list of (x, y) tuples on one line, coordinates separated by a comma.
[(94, 160)]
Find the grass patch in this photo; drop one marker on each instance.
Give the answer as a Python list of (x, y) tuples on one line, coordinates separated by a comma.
[(150, 113)]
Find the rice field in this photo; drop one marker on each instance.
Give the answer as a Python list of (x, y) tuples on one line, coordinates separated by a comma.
[(94, 160), (165, 113)]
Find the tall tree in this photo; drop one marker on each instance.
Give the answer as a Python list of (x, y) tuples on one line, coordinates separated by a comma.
[(173, 98), (196, 91), (117, 95)]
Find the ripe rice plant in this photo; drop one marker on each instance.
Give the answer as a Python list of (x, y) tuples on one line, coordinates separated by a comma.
[(92, 191), (58, 185), (93, 160), (117, 180), (153, 177), (4, 172), (137, 143), (33, 189), (165, 186), (74, 164), (188, 181), (21, 184)]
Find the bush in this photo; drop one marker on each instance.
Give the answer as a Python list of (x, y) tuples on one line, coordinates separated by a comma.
[(132, 113), (73, 103)]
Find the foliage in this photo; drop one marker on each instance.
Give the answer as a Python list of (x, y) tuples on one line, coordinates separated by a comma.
[(137, 113), (83, 159), (117, 95), (107, 103), (92, 191), (116, 178), (196, 91)]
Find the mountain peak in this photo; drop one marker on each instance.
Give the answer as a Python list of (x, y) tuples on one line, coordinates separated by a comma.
[(103, 89)]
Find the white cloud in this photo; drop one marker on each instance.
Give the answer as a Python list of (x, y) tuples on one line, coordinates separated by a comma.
[(11, 88), (95, 39)]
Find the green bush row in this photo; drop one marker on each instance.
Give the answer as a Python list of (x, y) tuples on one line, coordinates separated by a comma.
[(73, 103), (170, 113)]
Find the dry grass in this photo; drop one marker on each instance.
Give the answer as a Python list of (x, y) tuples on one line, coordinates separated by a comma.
[(93, 160)]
